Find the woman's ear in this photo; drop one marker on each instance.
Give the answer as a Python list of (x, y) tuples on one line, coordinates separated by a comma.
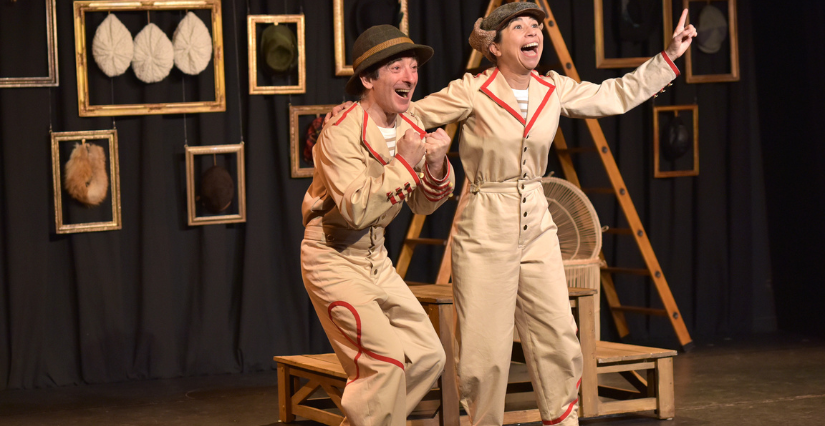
[(495, 50)]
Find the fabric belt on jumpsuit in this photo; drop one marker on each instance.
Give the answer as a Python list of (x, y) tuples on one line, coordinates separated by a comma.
[(359, 239), (520, 186)]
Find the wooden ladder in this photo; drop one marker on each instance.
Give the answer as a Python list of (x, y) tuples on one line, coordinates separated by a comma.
[(619, 190)]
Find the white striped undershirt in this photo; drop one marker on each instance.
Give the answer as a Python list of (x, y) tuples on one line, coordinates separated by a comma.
[(389, 137), (521, 97)]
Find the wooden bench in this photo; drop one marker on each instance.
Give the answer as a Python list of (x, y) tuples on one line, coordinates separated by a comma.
[(310, 386), (652, 390)]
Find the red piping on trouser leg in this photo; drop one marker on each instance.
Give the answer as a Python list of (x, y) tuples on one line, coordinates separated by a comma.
[(567, 412), (357, 343)]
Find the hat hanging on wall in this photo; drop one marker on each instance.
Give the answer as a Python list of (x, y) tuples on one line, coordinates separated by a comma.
[(638, 19), (369, 13), (712, 29), (112, 46), (678, 141), (193, 45), (279, 47), (86, 179), (313, 131), (154, 55), (217, 189)]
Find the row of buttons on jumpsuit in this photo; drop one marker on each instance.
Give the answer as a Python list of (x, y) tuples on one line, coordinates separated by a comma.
[(524, 163)]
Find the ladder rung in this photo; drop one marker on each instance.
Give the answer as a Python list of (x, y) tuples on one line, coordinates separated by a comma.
[(579, 150), (631, 271), (639, 310), (428, 241), (598, 190), (619, 231)]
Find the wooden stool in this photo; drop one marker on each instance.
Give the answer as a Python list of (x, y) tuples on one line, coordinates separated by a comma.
[(653, 392), (321, 372)]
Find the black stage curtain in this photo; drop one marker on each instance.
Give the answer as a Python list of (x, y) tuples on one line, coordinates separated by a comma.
[(160, 299)]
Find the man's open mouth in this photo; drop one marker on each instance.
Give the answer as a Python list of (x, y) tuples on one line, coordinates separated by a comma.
[(404, 93)]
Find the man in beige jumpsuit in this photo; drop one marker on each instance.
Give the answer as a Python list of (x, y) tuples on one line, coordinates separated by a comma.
[(506, 262), (379, 331)]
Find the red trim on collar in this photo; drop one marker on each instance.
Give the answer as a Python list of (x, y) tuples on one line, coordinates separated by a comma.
[(420, 131), (499, 101), (364, 138), (672, 65), (345, 115), (543, 102)]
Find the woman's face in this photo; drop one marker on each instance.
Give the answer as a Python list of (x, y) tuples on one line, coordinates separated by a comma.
[(521, 44)]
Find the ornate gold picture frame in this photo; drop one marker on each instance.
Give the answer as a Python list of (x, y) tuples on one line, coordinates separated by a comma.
[(299, 166), (236, 212), (679, 166), (633, 62), (256, 88), (82, 57), (342, 68), (728, 7), (71, 216), (52, 79)]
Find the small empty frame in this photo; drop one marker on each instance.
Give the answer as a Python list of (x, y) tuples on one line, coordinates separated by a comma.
[(70, 215), (262, 79), (675, 141), (199, 159), (21, 47), (127, 88), (603, 30), (346, 13), (300, 120), (714, 56)]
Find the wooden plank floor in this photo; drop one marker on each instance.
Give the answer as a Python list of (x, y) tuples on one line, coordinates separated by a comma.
[(755, 381)]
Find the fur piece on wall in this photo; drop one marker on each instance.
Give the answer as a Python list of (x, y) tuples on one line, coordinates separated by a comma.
[(86, 179)]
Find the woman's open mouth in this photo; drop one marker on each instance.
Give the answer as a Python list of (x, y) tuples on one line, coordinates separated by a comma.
[(530, 49)]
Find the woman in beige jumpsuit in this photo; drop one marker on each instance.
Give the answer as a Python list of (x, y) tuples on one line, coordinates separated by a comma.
[(507, 265)]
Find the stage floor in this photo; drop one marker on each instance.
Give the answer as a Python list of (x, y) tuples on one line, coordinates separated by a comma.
[(762, 380)]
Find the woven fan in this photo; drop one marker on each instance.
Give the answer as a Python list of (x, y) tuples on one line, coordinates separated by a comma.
[(580, 236)]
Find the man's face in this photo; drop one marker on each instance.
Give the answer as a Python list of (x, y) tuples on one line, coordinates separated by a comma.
[(521, 44), (394, 87)]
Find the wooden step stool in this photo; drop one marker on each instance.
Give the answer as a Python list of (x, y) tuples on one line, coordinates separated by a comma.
[(321, 372), (653, 392), (310, 386)]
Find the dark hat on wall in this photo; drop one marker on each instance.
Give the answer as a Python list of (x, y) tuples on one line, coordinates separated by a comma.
[(369, 13), (712, 29), (279, 47), (638, 19), (485, 29), (678, 141), (377, 44), (217, 189)]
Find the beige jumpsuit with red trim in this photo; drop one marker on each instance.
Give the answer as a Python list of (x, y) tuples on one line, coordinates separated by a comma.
[(506, 263), (379, 331)]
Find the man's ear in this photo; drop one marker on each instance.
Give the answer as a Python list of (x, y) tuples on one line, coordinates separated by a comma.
[(366, 81)]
